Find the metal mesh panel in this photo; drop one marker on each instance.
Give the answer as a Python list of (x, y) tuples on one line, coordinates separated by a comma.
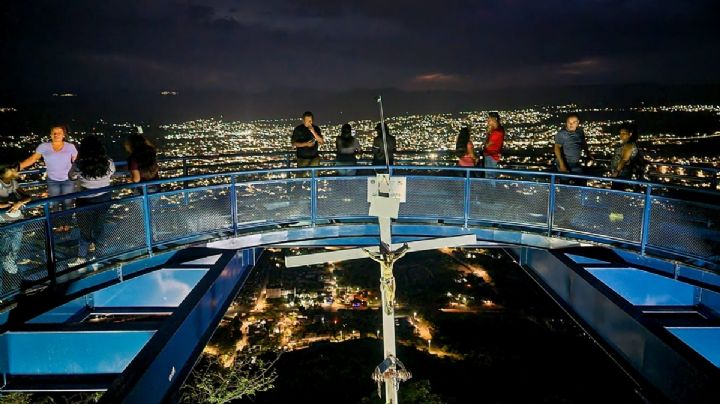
[(22, 254), (597, 211), (190, 212), (434, 197), (274, 201), (509, 201), (685, 227), (342, 197), (97, 231)]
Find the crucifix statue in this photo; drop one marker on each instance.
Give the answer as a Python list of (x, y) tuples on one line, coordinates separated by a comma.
[(385, 195)]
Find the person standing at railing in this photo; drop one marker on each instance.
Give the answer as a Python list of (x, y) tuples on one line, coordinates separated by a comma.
[(492, 149), (379, 149), (142, 159), (569, 144), (306, 138), (464, 149), (12, 199), (58, 156), (92, 169), (627, 159), (348, 147)]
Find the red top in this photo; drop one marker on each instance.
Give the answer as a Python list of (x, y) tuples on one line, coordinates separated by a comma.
[(467, 160), (496, 137)]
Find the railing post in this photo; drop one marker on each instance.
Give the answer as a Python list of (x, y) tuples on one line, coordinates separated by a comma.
[(185, 184), (313, 197), (645, 229), (146, 221), (50, 247), (551, 205), (466, 206), (233, 204)]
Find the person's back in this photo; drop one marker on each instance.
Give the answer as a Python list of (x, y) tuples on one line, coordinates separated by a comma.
[(379, 148)]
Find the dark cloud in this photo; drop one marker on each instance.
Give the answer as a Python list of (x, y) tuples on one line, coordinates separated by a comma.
[(263, 45)]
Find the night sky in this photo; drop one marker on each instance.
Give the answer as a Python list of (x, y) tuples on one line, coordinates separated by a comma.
[(270, 45)]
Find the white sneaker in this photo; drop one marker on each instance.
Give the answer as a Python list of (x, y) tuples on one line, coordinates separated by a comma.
[(77, 261), (91, 247)]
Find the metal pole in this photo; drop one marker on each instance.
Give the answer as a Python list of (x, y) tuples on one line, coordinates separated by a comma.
[(551, 206), (313, 197), (233, 205), (50, 247), (382, 128), (466, 207), (645, 229), (146, 220)]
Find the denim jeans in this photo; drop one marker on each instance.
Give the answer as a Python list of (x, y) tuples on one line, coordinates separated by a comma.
[(489, 162), (10, 241), (91, 221), (56, 188)]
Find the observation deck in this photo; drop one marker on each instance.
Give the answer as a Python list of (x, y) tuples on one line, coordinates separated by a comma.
[(637, 269)]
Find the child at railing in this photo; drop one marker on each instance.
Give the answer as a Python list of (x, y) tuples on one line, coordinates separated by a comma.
[(12, 199)]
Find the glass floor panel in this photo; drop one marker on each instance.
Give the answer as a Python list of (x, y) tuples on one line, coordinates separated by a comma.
[(643, 288), (704, 340)]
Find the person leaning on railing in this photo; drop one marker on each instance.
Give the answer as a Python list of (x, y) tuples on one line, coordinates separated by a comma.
[(493, 146), (569, 144), (627, 161), (142, 159), (92, 169), (347, 147), (59, 156), (306, 138), (12, 199), (464, 149)]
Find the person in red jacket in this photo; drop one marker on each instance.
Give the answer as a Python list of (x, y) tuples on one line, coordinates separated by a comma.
[(492, 148)]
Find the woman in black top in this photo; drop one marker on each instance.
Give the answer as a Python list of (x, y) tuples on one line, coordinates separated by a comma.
[(347, 147)]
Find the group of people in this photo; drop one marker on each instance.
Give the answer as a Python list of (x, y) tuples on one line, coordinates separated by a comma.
[(71, 169), (569, 146), (88, 167)]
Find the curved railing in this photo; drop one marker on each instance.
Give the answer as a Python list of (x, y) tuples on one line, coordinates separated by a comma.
[(658, 172), (142, 219)]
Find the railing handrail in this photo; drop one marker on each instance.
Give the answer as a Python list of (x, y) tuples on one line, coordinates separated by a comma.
[(230, 174), (234, 180)]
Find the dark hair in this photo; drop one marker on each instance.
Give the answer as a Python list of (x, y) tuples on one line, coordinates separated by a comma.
[(92, 160), (61, 126), (632, 128), (346, 137), (494, 115), (571, 115), (144, 153), (307, 113), (462, 140), (4, 167)]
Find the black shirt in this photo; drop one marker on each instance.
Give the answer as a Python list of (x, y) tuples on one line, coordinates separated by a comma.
[(302, 134), (379, 150)]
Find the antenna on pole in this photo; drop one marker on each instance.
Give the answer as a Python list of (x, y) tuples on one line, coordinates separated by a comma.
[(384, 135)]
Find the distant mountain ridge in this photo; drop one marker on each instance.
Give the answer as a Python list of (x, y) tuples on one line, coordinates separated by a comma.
[(332, 106)]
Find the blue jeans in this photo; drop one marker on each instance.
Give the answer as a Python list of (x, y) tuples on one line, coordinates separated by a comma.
[(345, 171), (489, 162), (91, 221), (56, 188), (10, 240)]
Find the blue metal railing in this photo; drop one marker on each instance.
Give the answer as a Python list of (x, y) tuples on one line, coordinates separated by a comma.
[(661, 220)]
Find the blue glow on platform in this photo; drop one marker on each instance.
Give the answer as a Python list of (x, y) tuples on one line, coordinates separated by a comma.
[(68, 353), (163, 288), (579, 259), (646, 289), (705, 341)]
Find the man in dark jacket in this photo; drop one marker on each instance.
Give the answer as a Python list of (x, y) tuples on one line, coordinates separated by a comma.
[(306, 138)]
